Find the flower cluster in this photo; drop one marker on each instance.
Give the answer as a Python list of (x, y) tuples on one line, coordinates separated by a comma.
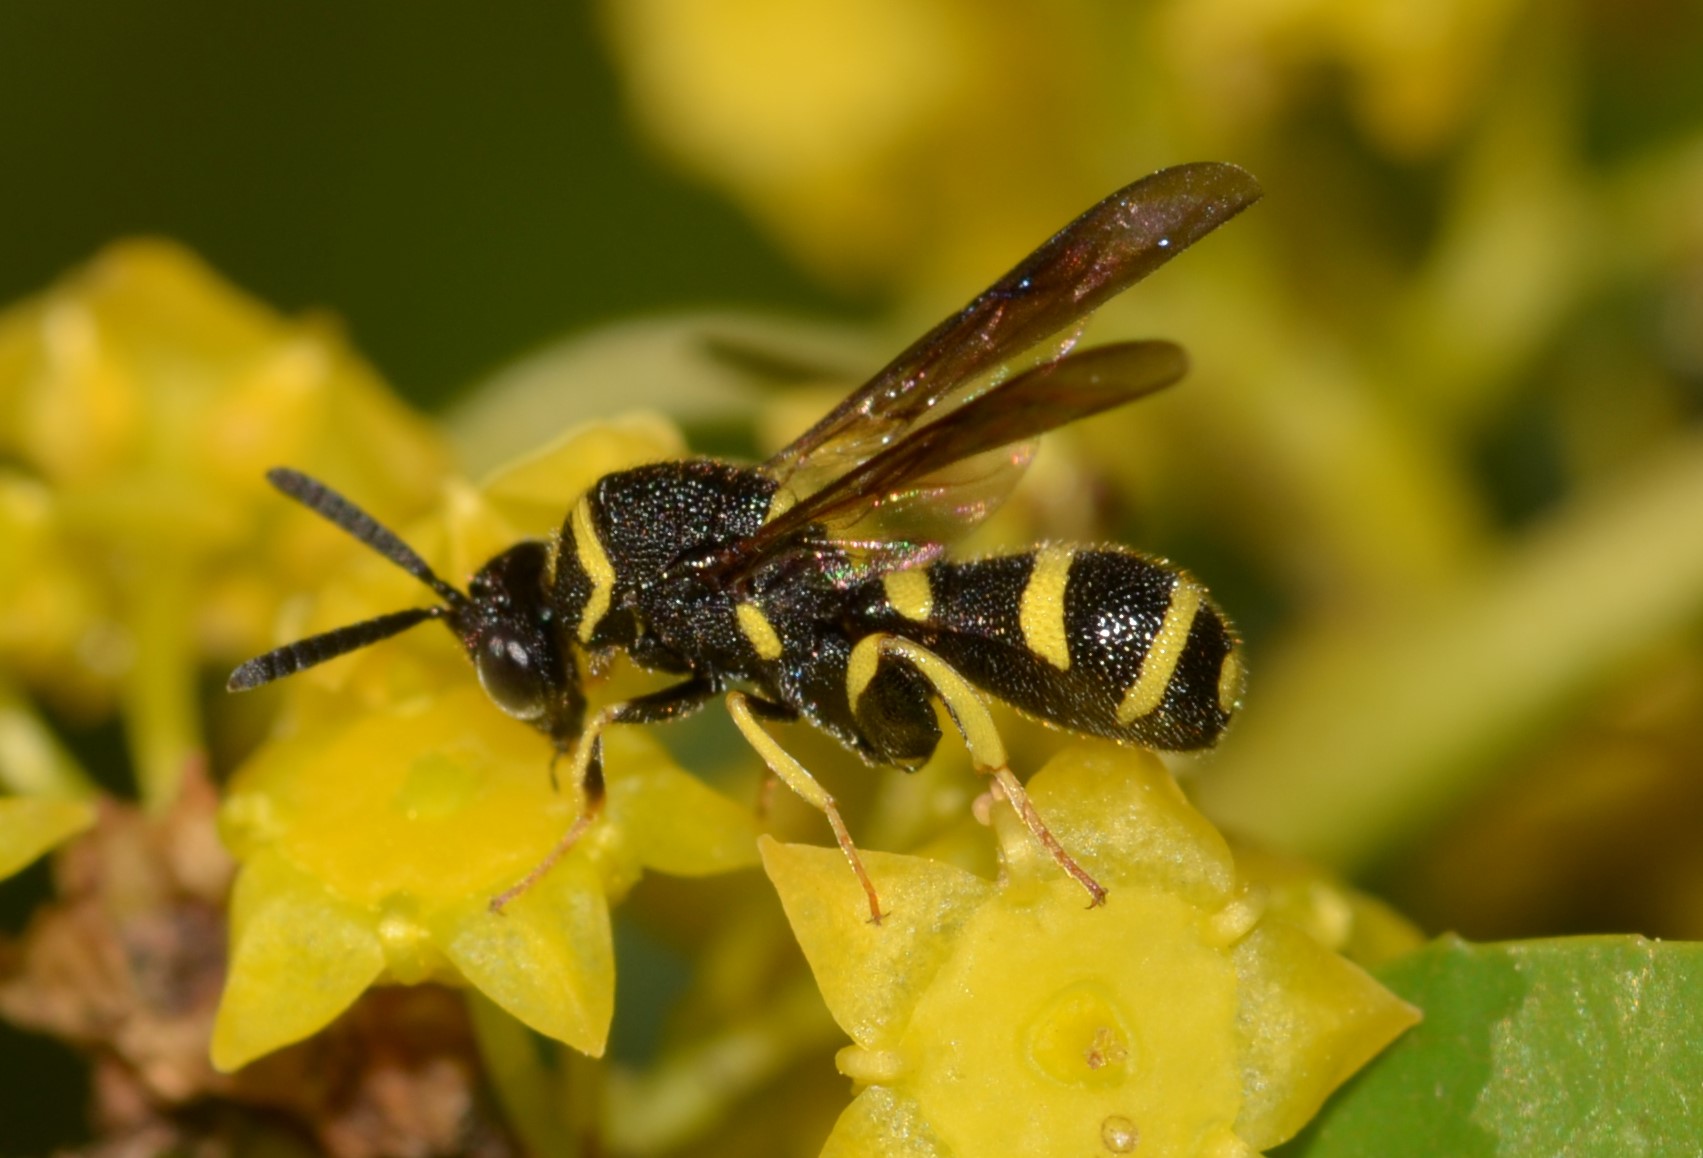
[(140, 401), (1003, 1016)]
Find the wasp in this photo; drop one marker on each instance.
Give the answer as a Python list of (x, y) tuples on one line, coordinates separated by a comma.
[(815, 585)]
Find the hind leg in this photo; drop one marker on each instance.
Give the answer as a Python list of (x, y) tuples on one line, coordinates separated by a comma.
[(875, 654)]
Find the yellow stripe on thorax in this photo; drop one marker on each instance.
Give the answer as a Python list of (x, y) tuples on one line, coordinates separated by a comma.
[(594, 561), (910, 594), (1160, 662), (1041, 611), (552, 556), (758, 631)]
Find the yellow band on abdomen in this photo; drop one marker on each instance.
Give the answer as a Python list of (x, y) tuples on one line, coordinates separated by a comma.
[(1160, 662), (1040, 613)]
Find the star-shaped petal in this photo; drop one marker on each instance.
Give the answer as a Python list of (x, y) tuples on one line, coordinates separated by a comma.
[(371, 853)]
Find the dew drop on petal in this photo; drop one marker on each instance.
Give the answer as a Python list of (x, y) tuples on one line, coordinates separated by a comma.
[(1119, 1135)]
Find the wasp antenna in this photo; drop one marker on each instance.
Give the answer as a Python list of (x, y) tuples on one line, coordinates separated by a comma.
[(316, 649), (333, 507)]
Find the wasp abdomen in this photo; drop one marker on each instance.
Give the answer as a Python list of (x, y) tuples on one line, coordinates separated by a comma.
[(1096, 639)]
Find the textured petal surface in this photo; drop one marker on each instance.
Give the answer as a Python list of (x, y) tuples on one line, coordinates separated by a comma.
[(299, 957)]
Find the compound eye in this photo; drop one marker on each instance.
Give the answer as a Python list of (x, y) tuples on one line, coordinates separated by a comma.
[(510, 676)]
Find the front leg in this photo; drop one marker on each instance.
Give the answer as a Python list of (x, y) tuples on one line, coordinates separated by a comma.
[(585, 771)]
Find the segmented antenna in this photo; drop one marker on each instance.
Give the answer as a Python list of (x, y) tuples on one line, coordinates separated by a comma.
[(316, 649), (329, 505)]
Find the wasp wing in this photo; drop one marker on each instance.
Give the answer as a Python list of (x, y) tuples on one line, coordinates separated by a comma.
[(1099, 255), (1019, 409)]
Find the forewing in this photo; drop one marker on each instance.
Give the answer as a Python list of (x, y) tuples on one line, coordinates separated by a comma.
[(909, 526), (1099, 255), (1015, 411)]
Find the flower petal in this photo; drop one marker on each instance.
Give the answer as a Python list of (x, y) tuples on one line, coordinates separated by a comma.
[(30, 825), (871, 975), (299, 957), (535, 490), (1309, 1019), (548, 959), (1121, 1018), (1119, 812), (669, 820), (881, 1123)]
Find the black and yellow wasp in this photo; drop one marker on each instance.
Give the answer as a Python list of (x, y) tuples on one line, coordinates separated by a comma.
[(786, 588)]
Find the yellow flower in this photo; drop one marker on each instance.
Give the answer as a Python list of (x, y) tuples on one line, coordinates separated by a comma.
[(859, 129), (1360, 927), (398, 801), (1415, 70), (881, 138), (1006, 1018), (141, 400), (49, 798)]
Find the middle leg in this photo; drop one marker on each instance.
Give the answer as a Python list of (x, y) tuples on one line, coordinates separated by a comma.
[(745, 709)]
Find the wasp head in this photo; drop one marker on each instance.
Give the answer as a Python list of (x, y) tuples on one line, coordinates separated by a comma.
[(510, 632), (504, 620)]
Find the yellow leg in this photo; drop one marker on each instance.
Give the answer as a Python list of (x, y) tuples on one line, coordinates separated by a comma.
[(987, 751), (783, 765), (585, 769), (585, 776)]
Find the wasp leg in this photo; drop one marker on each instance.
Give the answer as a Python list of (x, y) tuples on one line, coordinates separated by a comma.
[(745, 709), (968, 710), (585, 772)]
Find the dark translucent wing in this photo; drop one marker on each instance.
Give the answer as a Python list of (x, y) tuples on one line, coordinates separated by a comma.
[(945, 504), (1020, 408), (1099, 255)]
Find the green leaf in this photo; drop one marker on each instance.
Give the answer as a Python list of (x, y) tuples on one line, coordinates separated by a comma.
[(1580, 1046)]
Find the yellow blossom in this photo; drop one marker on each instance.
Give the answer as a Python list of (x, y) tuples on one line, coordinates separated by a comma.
[(51, 797), (1360, 927), (1005, 1017), (881, 138), (141, 399), (1415, 69), (398, 801)]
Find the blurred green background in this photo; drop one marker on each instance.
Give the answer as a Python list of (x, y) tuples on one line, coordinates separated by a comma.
[(457, 184)]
